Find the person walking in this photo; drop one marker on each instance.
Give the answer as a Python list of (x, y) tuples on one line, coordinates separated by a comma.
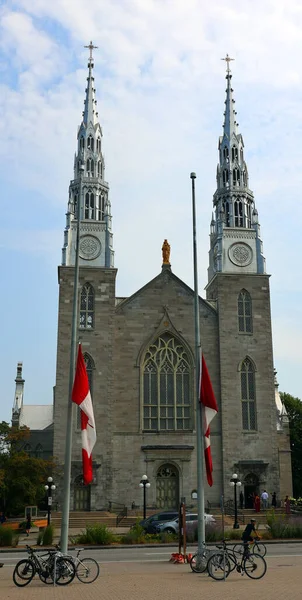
[(287, 505), (274, 500), (257, 503), (264, 499), (28, 524)]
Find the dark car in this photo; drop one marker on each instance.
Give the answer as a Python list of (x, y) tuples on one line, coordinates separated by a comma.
[(150, 523)]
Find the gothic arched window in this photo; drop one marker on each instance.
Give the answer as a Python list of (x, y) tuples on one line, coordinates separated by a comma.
[(238, 207), (234, 153), (225, 177), (226, 154), (226, 206), (248, 218), (236, 177), (87, 307), (82, 143), (248, 395), (39, 451), (89, 363), (98, 145), (167, 386), (90, 143), (100, 207), (245, 323), (100, 169), (90, 167), (89, 205)]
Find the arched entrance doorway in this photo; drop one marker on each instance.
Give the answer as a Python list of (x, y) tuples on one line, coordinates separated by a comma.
[(167, 487), (81, 494), (251, 487)]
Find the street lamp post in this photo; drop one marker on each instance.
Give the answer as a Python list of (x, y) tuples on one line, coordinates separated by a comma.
[(144, 483), (50, 487), (234, 482)]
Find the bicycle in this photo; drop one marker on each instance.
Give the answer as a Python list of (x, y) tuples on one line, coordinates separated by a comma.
[(221, 564), (87, 569), (51, 567), (199, 560), (255, 547)]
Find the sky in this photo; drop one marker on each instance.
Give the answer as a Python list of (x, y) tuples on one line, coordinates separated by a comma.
[(160, 85)]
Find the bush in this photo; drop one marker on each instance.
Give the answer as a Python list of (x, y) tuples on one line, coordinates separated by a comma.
[(7, 537), (282, 526), (136, 535), (45, 537), (95, 534)]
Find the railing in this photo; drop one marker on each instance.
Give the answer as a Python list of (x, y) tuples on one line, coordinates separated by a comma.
[(121, 515), (229, 509)]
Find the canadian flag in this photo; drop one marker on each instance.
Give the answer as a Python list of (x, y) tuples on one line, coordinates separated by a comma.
[(209, 409), (81, 396)]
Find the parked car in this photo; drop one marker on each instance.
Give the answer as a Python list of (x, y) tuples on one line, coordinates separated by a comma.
[(191, 522), (150, 523)]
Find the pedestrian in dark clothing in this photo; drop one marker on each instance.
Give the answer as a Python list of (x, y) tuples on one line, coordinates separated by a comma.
[(274, 500), (28, 524), (241, 499)]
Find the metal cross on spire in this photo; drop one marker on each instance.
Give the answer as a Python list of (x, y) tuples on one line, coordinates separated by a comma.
[(227, 60), (90, 47)]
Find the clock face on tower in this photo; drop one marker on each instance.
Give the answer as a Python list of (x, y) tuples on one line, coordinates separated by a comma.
[(90, 247), (240, 254)]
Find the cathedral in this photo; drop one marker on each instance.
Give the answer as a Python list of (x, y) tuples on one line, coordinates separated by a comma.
[(140, 350)]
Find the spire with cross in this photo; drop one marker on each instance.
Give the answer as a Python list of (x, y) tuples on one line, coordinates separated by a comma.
[(91, 47), (228, 60)]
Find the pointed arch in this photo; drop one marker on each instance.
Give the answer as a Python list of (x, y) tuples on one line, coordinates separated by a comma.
[(89, 205), (90, 143), (245, 316), (248, 395), (167, 375), (87, 306), (39, 451)]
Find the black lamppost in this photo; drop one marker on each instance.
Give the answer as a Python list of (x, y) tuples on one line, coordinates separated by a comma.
[(144, 483), (50, 487), (234, 482)]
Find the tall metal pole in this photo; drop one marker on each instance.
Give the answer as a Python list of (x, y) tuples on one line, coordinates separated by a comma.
[(199, 436), (144, 499), (74, 326), (236, 526)]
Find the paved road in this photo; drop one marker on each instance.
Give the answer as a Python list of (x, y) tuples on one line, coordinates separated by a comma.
[(151, 554)]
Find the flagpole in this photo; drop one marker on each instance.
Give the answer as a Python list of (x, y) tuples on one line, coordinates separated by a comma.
[(73, 344), (199, 435)]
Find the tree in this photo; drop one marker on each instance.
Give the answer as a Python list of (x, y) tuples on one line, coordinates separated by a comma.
[(22, 477), (294, 411)]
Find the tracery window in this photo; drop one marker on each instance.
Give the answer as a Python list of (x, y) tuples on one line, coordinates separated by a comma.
[(87, 307), (226, 206), (238, 208), (226, 153), (89, 368), (236, 177), (98, 145), (167, 386), (90, 167), (248, 395), (90, 143), (100, 207), (225, 177), (39, 451), (89, 205), (234, 153), (245, 322)]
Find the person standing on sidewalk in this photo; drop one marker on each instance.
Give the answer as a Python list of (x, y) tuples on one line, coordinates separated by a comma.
[(28, 524)]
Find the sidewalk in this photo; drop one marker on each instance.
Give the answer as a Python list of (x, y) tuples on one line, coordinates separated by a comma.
[(155, 581)]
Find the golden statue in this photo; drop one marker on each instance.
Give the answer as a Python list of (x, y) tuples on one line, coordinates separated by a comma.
[(166, 252)]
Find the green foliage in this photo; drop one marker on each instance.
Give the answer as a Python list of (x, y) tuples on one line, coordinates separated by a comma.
[(294, 410), (95, 534), (22, 477), (284, 527), (136, 535), (7, 537), (45, 537)]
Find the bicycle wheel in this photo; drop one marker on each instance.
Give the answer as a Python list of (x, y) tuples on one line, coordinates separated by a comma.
[(231, 556), (87, 570), (198, 562), (259, 548), (218, 566), (64, 571), (254, 566), (24, 572)]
